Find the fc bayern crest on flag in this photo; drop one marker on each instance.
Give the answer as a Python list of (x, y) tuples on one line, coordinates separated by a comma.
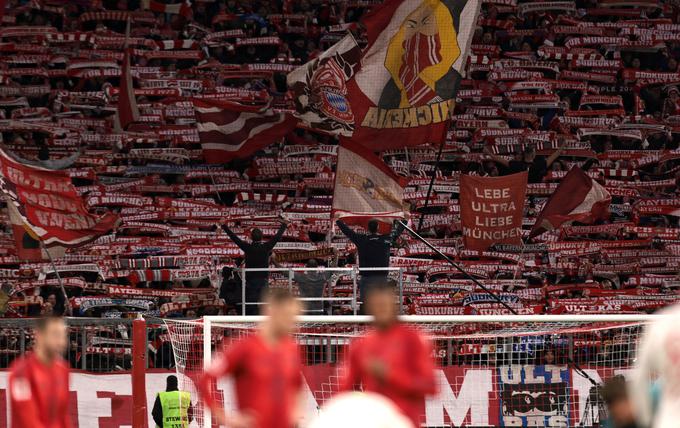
[(320, 88)]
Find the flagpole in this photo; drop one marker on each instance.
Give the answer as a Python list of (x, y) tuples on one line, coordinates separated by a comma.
[(570, 360), (457, 266), (67, 304), (212, 178), (520, 264), (429, 189)]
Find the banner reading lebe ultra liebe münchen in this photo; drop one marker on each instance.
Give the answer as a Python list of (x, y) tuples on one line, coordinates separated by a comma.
[(491, 210)]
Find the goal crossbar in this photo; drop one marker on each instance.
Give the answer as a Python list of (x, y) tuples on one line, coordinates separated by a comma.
[(416, 319)]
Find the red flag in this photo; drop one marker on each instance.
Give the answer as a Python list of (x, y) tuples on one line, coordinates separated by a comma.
[(404, 92), (48, 206), (183, 8), (577, 198), (491, 210), (127, 104), (364, 186), (28, 248), (228, 131)]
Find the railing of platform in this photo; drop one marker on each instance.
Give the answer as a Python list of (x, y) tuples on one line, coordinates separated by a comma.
[(354, 274)]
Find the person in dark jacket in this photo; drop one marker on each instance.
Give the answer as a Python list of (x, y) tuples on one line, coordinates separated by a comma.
[(374, 252), (172, 407), (257, 254)]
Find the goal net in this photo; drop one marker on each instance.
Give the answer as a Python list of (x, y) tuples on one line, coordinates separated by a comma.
[(514, 371)]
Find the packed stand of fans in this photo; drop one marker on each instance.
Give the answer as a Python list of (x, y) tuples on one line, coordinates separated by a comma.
[(549, 86)]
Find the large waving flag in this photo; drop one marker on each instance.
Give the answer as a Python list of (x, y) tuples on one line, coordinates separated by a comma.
[(577, 198), (46, 207), (403, 93), (365, 187), (319, 88), (228, 130)]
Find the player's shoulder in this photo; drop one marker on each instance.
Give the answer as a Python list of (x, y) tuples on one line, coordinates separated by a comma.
[(20, 365), (410, 332), (25, 363), (291, 344), (243, 343), (62, 365)]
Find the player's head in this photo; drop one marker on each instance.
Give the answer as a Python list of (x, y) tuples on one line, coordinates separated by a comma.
[(615, 395), (171, 383), (282, 308), (655, 387), (373, 225), (51, 338), (381, 303), (256, 235), (312, 263)]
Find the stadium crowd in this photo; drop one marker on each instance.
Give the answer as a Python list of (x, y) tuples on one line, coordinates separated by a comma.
[(549, 85)]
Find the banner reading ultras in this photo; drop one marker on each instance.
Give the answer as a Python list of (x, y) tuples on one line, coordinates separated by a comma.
[(403, 93), (491, 210), (48, 204)]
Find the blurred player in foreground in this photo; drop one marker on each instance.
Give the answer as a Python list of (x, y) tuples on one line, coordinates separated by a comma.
[(655, 387), (266, 368), (617, 398), (38, 381), (393, 360)]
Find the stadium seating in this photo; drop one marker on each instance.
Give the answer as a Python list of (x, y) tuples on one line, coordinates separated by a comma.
[(595, 80)]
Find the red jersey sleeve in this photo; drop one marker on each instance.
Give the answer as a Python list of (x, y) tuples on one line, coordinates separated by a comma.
[(25, 409), (226, 363), (418, 379)]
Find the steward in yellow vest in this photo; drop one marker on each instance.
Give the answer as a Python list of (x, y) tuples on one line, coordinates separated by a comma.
[(172, 408)]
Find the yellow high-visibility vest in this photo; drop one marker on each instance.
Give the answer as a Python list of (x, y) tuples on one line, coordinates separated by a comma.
[(175, 406)]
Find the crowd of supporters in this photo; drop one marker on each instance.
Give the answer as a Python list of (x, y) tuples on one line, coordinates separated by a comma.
[(549, 85)]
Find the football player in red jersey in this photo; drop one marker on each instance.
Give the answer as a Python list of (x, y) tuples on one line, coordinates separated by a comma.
[(393, 360), (38, 381), (266, 369)]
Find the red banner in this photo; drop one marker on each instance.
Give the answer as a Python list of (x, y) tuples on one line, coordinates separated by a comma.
[(491, 210), (49, 205)]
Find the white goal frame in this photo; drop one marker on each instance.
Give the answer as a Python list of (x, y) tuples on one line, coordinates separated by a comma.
[(208, 322)]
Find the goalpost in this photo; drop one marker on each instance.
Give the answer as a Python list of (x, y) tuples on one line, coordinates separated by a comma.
[(497, 370)]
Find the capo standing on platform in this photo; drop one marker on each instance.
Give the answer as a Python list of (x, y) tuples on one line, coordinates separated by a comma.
[(257, 254), (393, 360), (39, 381), (266, 369), (374, 252)]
